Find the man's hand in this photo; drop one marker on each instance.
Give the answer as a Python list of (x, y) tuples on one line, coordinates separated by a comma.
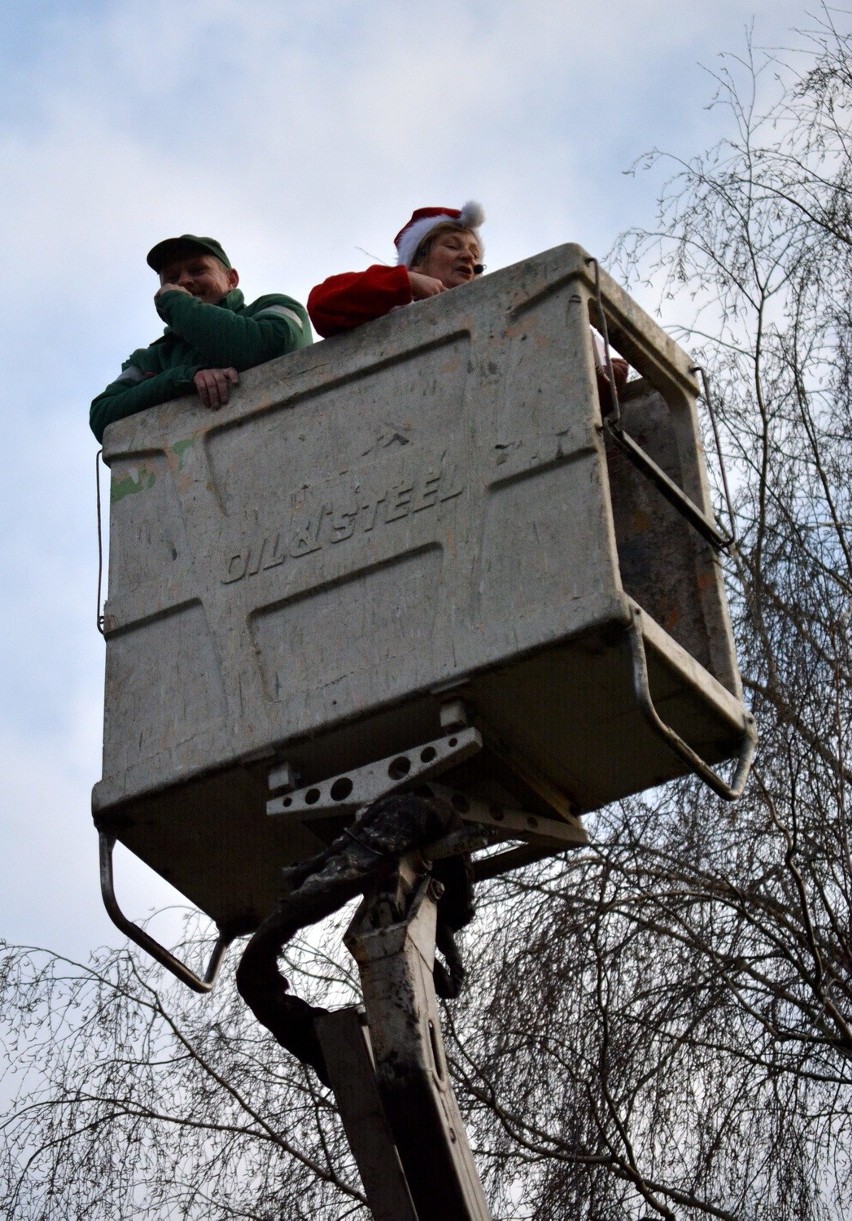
[(171, 288), (424, 286), (620, 369), (214, 386)]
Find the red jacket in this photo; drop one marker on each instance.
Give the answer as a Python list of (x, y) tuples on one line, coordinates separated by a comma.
[(343, 302)]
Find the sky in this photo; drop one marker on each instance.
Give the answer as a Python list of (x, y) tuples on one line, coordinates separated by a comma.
[(300, 133)]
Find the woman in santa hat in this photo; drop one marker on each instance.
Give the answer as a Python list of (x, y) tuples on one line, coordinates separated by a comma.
[(439, 248)]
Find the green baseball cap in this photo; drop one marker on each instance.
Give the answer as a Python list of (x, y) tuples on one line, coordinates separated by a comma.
[(173, 247)]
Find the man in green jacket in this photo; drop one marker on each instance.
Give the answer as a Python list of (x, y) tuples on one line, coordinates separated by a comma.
[(211, 334)]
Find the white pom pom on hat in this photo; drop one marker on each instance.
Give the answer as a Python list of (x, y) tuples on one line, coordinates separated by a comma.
[(424, 220)]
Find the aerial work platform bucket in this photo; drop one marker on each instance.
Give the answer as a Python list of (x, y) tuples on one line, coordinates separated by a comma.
[(429, 509)]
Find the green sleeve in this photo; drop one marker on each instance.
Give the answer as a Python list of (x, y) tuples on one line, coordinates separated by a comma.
[(136, 390), (215, 337), (223, 338)]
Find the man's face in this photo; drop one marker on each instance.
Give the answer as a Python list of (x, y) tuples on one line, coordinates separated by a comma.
[(202, 275), (451, 258)]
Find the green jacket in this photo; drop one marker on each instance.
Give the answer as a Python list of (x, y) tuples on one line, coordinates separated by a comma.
[(198, 336)]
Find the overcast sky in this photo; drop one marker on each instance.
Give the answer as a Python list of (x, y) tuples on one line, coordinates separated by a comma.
[(301, 133)]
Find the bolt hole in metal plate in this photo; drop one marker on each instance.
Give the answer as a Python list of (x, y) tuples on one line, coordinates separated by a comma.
[(399, 767), (341, 788)]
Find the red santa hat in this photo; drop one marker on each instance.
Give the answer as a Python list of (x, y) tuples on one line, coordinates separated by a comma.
[(424, 220)]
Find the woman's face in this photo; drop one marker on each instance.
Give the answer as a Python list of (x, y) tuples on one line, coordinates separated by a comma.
[(451, 258)]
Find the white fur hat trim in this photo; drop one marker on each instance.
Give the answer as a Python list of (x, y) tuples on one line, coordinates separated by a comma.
[(424, 220)]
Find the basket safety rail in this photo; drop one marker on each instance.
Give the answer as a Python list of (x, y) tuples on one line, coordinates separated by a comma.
[(730, 791), (99, 615), (148, 943), (667, 487), (708, 400)]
